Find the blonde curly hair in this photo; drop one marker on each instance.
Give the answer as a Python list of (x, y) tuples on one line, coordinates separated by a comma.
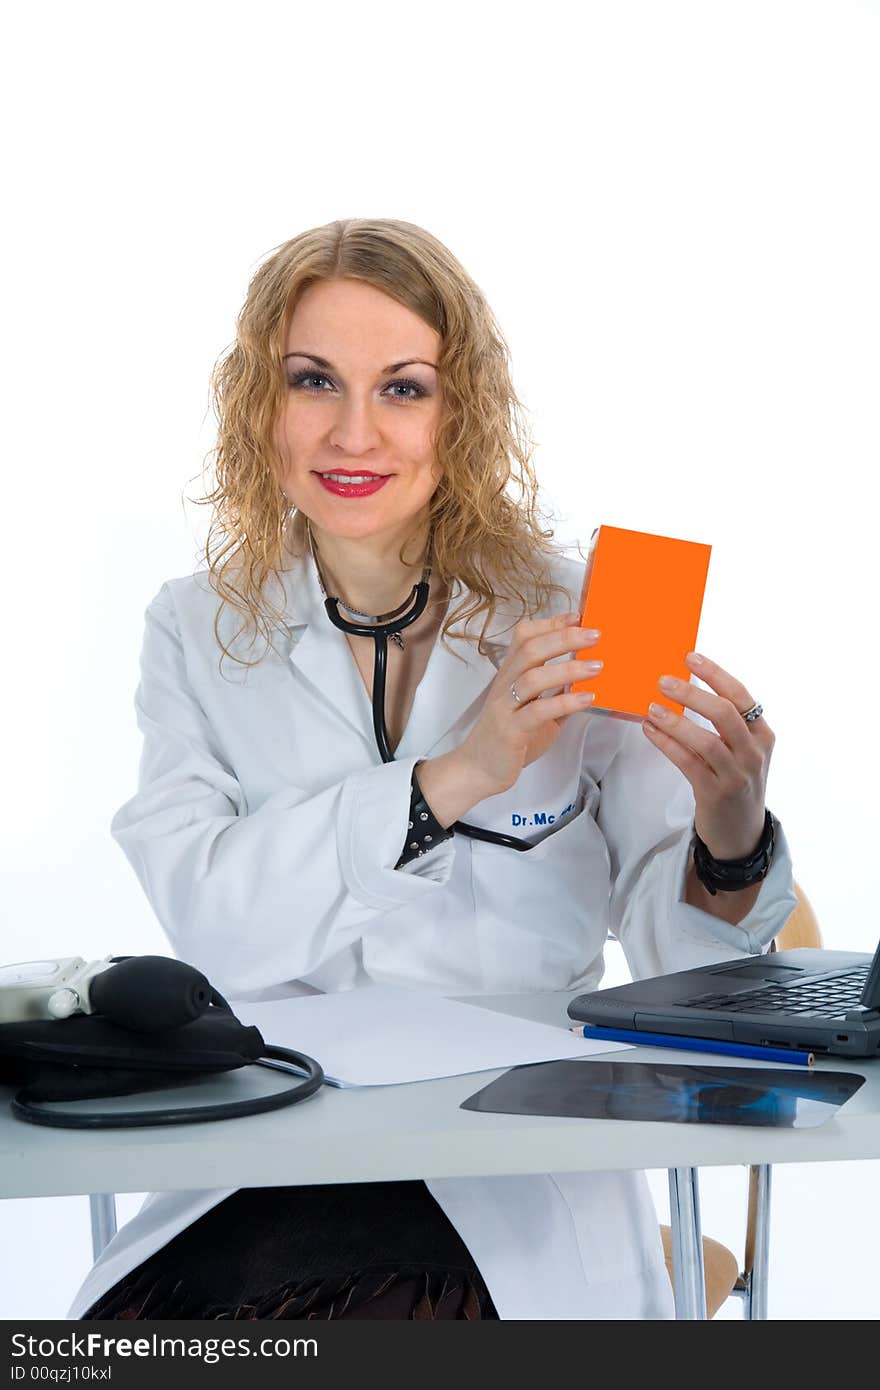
[(481, 536)]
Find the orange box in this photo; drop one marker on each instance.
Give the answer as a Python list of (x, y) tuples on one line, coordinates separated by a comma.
[(644, 593)]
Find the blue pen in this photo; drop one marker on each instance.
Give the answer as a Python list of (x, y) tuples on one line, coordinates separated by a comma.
[(727, 1049)]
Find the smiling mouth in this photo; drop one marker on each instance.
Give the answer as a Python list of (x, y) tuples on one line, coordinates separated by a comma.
[(338, 476)]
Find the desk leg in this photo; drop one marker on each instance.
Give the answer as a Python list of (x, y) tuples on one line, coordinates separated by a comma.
[(687, 1243), (756, 1301), (103, 1209)]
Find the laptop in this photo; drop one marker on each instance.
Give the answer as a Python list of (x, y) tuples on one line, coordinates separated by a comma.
[(810, 999)]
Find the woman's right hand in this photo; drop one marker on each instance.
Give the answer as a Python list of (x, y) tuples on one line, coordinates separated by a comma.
[(508, 735)]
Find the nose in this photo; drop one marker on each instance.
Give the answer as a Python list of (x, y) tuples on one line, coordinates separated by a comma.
[(355, 428)]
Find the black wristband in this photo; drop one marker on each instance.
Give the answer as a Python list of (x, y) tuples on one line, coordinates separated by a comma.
[(425, 831), (731, 874)]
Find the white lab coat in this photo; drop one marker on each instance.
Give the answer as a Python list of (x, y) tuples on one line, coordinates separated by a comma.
[(265, 831)]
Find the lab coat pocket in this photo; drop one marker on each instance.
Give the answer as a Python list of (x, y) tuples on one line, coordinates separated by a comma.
[(618, 1238), (541, 913)]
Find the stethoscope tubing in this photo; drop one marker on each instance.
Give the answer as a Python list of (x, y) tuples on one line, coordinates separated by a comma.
[(380, 633)]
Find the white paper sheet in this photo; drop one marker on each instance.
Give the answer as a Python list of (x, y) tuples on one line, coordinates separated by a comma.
[(379, 1035)]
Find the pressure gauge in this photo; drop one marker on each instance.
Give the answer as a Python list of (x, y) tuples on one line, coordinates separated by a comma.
[(39, 989)]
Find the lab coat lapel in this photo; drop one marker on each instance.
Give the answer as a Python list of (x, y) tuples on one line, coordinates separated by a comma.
[(453, 679), (320, 652)]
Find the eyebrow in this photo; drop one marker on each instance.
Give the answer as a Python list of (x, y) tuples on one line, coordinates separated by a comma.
[(393, 367)]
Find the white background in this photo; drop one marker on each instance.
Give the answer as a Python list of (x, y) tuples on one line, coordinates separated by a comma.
[(673, 210)]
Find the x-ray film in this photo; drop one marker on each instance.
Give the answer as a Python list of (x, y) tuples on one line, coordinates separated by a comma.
[(594, 1090)]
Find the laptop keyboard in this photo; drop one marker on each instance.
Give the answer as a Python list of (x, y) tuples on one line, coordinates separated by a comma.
[(821, 998)]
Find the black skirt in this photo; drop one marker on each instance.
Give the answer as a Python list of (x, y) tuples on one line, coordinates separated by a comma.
[(340, 1250)]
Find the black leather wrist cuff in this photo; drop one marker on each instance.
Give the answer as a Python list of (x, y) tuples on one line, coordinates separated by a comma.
[(731, 874), (424, 831)]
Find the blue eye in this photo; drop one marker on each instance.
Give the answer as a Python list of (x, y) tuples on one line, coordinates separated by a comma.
[(300, 378)]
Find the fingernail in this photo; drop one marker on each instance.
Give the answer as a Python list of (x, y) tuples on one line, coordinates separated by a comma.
[(694, 658)]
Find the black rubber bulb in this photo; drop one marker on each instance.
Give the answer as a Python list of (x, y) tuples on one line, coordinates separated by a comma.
[(148, 993)]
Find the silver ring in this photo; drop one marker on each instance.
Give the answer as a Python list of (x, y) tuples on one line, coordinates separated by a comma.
[(514, 694), (751, 714)]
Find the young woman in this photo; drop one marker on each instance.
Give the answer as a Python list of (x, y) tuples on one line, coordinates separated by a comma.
[(368, 438)]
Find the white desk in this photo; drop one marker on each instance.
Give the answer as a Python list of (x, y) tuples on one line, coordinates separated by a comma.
[(383, 1133)]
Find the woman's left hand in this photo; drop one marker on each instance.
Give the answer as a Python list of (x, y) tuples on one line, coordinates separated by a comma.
[(727, 770)]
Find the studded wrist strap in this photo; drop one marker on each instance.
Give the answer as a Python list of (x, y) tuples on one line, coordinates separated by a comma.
[(424, 831), (731, 874)]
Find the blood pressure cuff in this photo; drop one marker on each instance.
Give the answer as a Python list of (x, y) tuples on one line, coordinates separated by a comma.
[(85, 1056)]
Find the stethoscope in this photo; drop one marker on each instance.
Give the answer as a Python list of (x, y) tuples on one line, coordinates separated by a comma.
[(380, 628)]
